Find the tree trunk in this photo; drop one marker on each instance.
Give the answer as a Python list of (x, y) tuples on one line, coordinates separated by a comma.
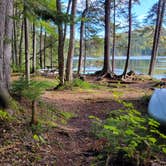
[(160, 15), (60, 45), (15, 38), (41, 61), (2, 34), (114, 35), (34, 109), (34, 49), (27, 60), (45, 36), (106, 67), (51, 56), (129, 38), (20, 45), (13, 60), (69, 65), (82, 28), (6, 11), (65, 26), (7, 43)]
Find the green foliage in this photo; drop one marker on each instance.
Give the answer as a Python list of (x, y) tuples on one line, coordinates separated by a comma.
[(127, 131), (78, 83), (81, 84), (67, 115), (4, 116), (51, 116), (30, 90), (18, 86), (37, 129), (16, 68), (38, 138)]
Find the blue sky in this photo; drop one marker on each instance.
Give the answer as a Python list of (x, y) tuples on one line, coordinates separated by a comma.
[(142, 9)]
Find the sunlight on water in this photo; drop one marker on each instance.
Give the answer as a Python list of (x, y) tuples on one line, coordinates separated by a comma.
[(139, 64)]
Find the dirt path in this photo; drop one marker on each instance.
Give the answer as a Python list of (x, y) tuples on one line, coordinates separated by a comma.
[(70, 144), (78, 145), (75, 136)]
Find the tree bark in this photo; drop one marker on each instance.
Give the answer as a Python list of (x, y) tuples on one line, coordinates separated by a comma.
[(20, 45), (34, 49), (41, 61), (15, 38), (60, 45), (129, 38), (106, 67), (51, 56), (82, 28), (65, 26), (7, 43), (34, 109), (45, 36), (6, 11), (2, 35), (114, 40), (69, 65), (26, 37), (160, 15)]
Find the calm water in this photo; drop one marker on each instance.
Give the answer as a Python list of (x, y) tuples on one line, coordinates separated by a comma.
[(139, 64)]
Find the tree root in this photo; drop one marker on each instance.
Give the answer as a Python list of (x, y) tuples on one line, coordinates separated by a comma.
[(129, 77)]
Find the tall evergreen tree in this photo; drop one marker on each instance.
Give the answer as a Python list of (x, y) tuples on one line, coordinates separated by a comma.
[(160, 16), (69, 64)]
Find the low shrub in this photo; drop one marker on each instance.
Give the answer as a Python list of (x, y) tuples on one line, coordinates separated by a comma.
[(131, 137)]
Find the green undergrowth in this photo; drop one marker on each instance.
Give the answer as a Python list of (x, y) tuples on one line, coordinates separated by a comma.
[(51, 116), (48, 117), (31, 90), (132, 138), (5, 116), (79, 84)]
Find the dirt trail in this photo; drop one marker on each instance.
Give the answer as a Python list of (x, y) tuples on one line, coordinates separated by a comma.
[(77, 143), (75, 136), (70, 144)]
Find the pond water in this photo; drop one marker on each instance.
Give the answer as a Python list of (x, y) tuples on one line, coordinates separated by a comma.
[(139, 64)]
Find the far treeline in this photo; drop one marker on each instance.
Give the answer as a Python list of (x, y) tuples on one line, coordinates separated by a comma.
[(48, 33)]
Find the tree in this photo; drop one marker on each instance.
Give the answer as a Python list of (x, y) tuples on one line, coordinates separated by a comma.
[(34, 49), (129, 36), (44, 59), (82, 28), (69, 64), (26, 38), (160, 15), (60, 43), (106, 68), (20, 45), (41, 33), (114, 35), (6, 11)]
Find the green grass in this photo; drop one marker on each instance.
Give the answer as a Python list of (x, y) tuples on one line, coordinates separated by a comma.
[(80, 84)]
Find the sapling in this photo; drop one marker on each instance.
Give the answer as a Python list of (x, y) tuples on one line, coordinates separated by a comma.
[(32, 91)]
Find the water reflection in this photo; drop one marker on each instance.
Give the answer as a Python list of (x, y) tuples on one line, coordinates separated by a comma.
[(139, 64)]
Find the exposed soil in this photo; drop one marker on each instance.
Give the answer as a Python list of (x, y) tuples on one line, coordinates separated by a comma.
[(70, 144)]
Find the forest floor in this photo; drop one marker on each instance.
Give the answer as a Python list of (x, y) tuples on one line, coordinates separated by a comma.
[(66, 140)]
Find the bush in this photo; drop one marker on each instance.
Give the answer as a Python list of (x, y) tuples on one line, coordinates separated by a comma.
[(4, 116), (129, 134), (32, 90)]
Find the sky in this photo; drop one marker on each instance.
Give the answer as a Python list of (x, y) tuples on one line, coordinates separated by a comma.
[(142, 9)]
